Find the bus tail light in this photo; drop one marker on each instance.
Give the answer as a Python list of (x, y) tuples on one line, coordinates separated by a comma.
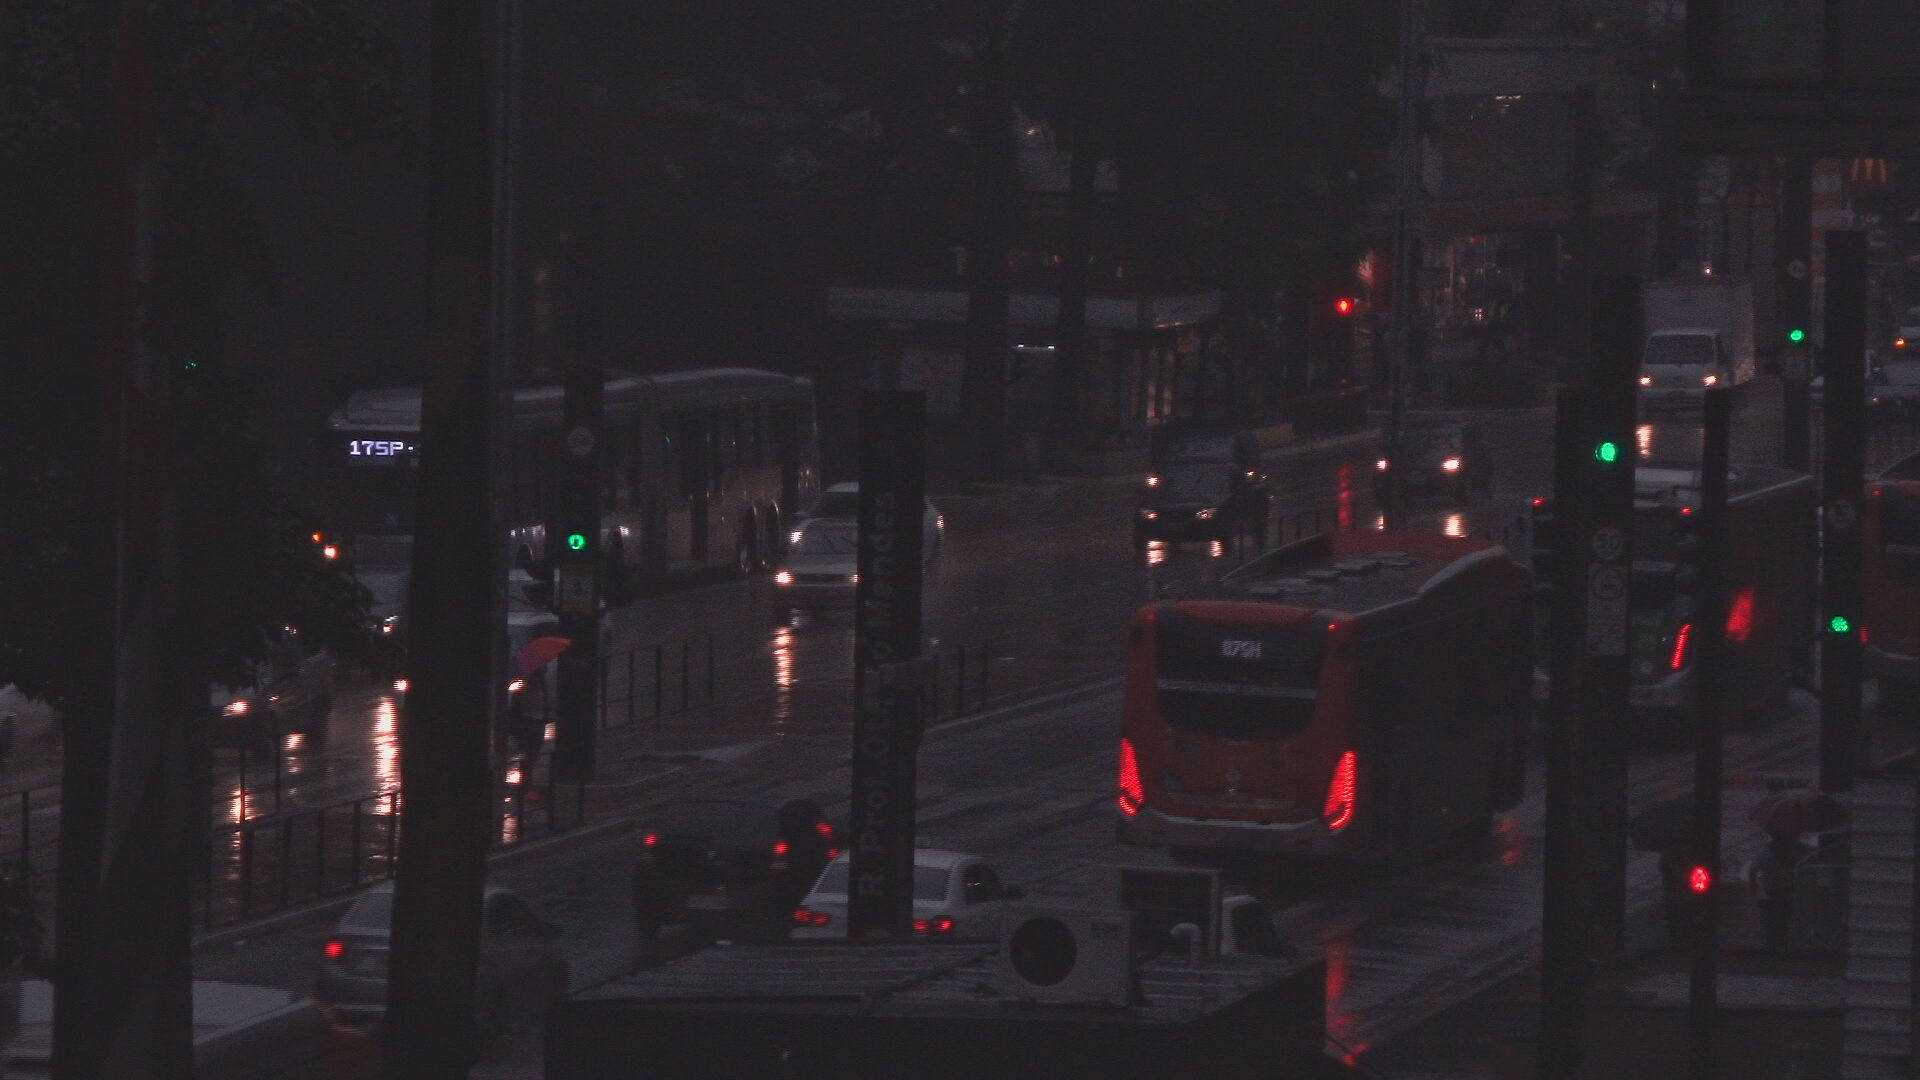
[(1680, 647), (1131, 794), (1740, 616), (1341, 791)]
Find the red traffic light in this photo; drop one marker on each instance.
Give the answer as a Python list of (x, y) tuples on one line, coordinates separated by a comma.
[(1343, 306), (1700, 879)]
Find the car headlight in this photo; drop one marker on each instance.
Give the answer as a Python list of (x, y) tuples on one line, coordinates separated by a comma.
[(1380, 464), (235, 708), (1709, 380), (1203, 515), (1452, 464), (1150, 515), (794, 536), (784, 577)]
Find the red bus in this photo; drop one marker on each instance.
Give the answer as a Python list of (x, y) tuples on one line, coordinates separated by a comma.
[(1353, 694), (1890, 543)]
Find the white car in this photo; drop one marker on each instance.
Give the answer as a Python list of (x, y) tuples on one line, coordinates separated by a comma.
[(955, 897), (841, 503), (822, 566)]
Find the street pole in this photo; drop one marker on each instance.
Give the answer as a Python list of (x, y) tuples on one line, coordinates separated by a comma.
[(1405, 282), (1606, 552), (1794, 240), (1576, 333), (456, 607), (1704, 873), (1565, 913), (1842, 490), (574, 542)]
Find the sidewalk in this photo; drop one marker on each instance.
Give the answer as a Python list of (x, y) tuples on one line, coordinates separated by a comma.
[(1779, 1017)]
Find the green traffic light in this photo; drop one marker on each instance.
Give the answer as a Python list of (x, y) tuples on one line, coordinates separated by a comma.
[(577, 541), (1607, 452), (1839, 624), (1796, 335)]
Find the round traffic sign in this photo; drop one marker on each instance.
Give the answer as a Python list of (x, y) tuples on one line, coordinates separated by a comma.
[(580, 440), (1607, 583), (1797, 269)]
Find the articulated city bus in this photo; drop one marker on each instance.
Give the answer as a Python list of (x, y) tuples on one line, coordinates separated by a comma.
[(699, 469), (1768, 574), (1890, 540), (1353, 694)]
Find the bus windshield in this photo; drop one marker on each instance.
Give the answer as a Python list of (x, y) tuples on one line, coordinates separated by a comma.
[(1198, 481), (1679, 349)]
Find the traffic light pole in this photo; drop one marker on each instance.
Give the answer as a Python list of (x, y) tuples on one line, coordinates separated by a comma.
[(1794, 239), (1842, 489), (574, 542), (1704, 875), (1605, 554), (1565, 952)]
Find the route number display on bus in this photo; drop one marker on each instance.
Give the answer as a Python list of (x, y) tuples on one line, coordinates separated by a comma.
[(379, 448)]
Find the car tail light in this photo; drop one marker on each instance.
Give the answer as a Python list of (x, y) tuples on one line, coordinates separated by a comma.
[(1341, 792), (805, 917), (1131, 794), (648, 845), (779, 855), (1680, 647), (825, 832), (336, 949), (933, 927)]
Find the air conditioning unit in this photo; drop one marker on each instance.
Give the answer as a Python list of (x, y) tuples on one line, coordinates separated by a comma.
[(1068, 957)]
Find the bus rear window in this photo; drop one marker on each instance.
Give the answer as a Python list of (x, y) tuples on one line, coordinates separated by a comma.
[(1237, 682)]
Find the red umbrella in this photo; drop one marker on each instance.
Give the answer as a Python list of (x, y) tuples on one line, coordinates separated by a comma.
[(538, 653), (1798, 811)]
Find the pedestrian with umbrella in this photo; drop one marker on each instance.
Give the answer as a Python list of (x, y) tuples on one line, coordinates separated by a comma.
[(1784, 817), (527, 706), (1666, 827)]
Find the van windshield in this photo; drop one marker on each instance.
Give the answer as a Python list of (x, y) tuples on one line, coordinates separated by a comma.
[(1664, 349)]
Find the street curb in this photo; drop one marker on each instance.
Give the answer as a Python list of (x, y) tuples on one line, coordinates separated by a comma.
[(331, 908)]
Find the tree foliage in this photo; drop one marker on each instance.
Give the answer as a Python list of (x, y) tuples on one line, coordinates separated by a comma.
[(221, 72)]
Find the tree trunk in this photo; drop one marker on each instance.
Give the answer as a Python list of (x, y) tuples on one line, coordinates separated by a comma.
[(983, 388)]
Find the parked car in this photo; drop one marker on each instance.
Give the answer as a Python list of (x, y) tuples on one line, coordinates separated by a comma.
[(291, 691), (1215, 500), (1450, 459), (733, 868), (522, 963), (955, 896)]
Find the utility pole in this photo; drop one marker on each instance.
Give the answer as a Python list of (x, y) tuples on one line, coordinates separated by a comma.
[(457, 604), (1583, 153), (575, 544), (1841, 492), (1405, 280), (1704, 874)]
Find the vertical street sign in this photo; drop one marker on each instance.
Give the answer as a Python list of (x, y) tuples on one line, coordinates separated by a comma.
[(574, 549), (1608, 458), (1842, 489), (1704, 870), (886, 654)]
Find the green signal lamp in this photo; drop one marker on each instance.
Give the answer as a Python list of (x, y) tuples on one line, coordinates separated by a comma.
[(1839, 624), (1796, 335), (1607, 452), (577, 541)]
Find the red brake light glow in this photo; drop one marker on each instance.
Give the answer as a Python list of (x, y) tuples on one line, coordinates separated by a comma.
[(1740, 615), (941, 925), (1131, 794), (1538, 501), (1680, 647), (779, 847), (804, 917), (1700, 879), (336, 949), (652, 840), (1341, 792)]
